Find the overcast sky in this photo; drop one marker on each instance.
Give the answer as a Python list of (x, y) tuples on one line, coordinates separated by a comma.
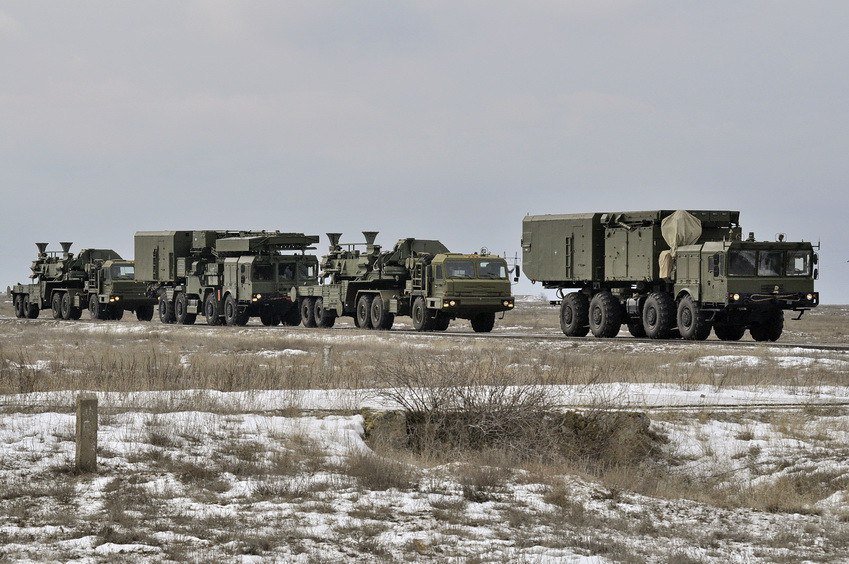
[(447, 120)]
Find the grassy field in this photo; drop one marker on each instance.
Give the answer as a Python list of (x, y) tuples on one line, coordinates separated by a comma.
[(293, 444)]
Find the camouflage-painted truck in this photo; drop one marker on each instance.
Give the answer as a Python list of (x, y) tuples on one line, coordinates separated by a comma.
[(96, 279), (419, 278), (227, 276), (668, 274)]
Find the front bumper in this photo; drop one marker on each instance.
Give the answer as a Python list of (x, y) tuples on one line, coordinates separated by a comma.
[(784, 300), (478, 304)]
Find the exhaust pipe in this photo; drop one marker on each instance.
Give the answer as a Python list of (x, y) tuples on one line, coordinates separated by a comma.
[(66, 246), (334, 240), (370, 237), (42, 249)]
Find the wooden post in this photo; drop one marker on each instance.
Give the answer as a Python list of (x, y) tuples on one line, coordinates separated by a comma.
[(86, 457)]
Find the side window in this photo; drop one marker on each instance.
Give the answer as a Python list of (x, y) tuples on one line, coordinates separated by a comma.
[(438, 273)]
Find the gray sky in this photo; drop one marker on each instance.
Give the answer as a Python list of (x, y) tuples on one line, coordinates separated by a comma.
[(435, 119)]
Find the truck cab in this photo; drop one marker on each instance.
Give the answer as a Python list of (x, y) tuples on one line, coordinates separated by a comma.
[(464, 285)]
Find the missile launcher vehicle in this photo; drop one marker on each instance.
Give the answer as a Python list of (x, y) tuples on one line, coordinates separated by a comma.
[(417, 277), (668, 274), (227, 276), (96, 279)]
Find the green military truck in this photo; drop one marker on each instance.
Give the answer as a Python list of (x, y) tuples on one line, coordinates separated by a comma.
[(96, 279), (667, 274), (227, 276), (420, 278)]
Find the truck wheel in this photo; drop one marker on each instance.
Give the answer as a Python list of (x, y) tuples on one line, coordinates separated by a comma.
[(269, 317), (635, 327), (691, 322), (211, 310), (728, 331), (19, 306), (30, 309), (293, 316), (308, 312), (422, 321), (574, 315), (323, 317), (144, 312), (768, 327), (166, 310), (181, 315), (483, 322), (66, 306), (658, 315), (56, 305), (116, 312), (94, 310), (231, 311), (605, 320), (364, 311), (441, 322), (380, 316)]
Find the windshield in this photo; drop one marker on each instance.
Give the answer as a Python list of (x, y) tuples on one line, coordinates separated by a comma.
[(492, 269), (742, 263), (460, 269), (263, 272), (798, 263), (122, 272), (286, 271), (769, 263), (306, 271)]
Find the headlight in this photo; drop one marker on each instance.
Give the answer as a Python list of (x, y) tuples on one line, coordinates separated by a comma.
[(117, 298), (452, 303), (810, 297), (736, 297), (259, 296), (111, 299), (510, 305)]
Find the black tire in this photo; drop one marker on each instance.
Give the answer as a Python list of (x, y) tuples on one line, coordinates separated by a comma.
[(116, 312), (422, 319), (232, 315), (380, 316), (323, 317), (269, 317), (66, 306), (308, 312), (76, 312), (692, 324), (30, 309), (363, 312), (659, 315), (212, 310), (56, 305), (19, 307), (728, 331), (181, 315), (483, 322), (95, 310), (768, 326), (144, 312), (166, 310), (292, 317), (605, 318), (441, 322), (574, 315)]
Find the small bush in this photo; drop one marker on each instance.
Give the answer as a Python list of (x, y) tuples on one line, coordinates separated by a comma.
[(377, 473)]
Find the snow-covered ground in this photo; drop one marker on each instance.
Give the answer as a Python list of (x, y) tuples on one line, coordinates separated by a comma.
[(199, 485)]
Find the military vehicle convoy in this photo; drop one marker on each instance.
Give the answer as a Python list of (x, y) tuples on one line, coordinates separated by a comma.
[(96, 279), (420, 278), (667, 274), (227, 276)]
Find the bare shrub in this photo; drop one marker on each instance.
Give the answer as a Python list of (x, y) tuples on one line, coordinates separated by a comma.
[(378, 473), (475, 404)]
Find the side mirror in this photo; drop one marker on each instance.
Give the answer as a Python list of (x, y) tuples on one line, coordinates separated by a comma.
[(816, 273), (816, 258), (518, 273)]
